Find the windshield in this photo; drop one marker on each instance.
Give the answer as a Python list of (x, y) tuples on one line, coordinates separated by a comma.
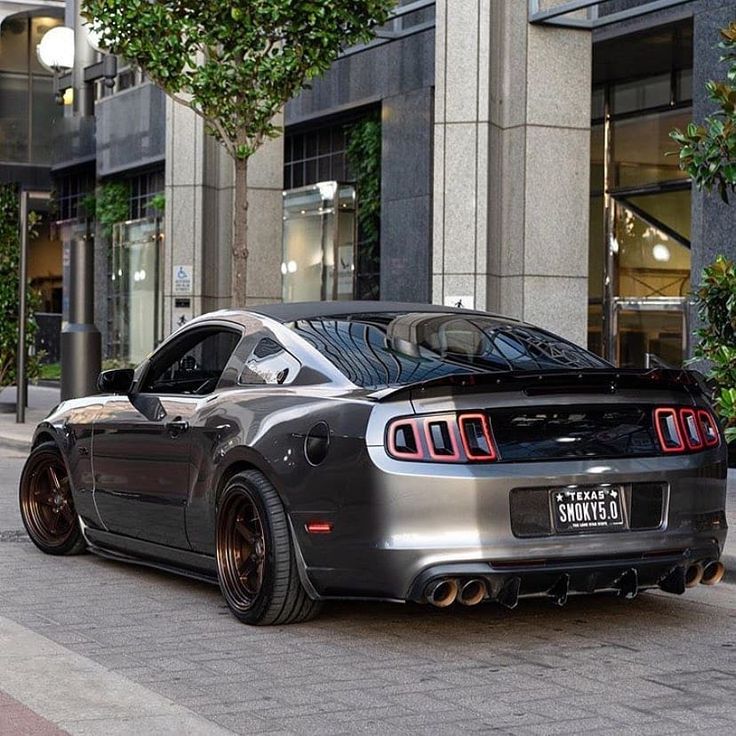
[(380, 350)]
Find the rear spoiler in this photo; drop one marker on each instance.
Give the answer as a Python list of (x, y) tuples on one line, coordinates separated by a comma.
[(537, 383)]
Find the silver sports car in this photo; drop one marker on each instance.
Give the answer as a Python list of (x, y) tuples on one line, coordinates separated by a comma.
[(298, 453)]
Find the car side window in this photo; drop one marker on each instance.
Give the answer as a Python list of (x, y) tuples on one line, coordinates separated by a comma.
[(269, 363), (191, 364)]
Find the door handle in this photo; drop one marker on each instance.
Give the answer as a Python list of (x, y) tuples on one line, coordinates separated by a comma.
[(176, 427)]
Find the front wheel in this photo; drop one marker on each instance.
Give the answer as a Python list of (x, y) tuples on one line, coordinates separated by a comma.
[(46, 503), (256, 564)]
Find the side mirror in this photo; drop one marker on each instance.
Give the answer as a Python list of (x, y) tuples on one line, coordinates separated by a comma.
[(118, 381)]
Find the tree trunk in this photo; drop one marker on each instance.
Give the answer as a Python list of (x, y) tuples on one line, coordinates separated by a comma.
[(240, 234)]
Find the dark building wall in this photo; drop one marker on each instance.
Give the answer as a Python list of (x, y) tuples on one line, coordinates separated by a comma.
[(131, 129), (400, 76), (27, 175), (406, 196), (714, 223)]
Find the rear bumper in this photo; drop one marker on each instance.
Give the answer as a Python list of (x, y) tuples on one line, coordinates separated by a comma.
[(400, 525), (557, 579)]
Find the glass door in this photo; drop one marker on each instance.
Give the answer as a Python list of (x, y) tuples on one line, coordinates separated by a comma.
[(650, 332), (319, 243), (650, 272), (136, 293)]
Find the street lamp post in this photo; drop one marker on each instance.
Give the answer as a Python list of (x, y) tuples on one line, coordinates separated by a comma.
[(64, 49), (21, 391)]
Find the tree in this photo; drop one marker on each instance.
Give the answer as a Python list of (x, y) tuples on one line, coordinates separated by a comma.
[(715, 300), (708, 154), (235, 64), (708, 149)]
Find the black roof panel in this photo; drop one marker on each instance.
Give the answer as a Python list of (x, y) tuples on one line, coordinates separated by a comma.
[(310, 310)]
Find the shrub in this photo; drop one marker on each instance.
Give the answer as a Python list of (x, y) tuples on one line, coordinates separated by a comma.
[(9, 282), (716, 303)]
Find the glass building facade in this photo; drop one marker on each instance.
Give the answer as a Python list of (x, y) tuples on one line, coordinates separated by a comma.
[(640, 220), (28, 111)]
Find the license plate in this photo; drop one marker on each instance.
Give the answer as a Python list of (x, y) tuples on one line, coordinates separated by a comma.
[(585, 509)]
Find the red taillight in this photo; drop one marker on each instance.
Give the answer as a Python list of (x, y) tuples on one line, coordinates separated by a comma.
[(442, 438), (404, 441), (475, 432), (319, 527), (708, 428), (668, 430), (690, 429), (685, 429)]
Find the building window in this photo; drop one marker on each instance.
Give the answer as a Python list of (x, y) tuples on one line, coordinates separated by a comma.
[(314, 156), (27, 108), (639, 264), (143, 188), (71, 191)]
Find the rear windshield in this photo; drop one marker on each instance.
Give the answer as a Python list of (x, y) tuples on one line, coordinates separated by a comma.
[(375, 351)]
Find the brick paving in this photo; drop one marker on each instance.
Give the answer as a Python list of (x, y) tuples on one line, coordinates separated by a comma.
[(657, 665), (18, 720)]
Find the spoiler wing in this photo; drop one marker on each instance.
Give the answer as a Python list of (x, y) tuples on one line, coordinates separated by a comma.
[(546, 382)]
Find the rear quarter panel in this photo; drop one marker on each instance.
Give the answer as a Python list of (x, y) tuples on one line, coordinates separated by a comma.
[(265, 427)]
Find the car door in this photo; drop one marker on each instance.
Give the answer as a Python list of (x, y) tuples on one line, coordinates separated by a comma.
[(142, 442)]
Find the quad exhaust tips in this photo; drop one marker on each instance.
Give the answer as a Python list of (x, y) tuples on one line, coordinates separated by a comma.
[(704, 572), (442, 593), (472, 592), (713, 573), (694, 575)]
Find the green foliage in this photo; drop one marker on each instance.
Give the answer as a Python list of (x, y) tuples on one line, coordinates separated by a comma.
[(364, 160), (50, 372), (157, 204), (9, 283), (708, 150), (237, 63), (110, 205), (716, 303)]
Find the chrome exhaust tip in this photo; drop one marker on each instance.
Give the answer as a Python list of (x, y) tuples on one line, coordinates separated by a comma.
[(472, 592), (693, 575), (713, 573), (442, 593)]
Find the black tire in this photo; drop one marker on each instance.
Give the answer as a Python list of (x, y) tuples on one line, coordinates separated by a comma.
[(47, 505), (256, 564)]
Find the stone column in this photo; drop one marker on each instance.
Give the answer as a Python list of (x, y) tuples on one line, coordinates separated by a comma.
[(461, 138), (265, 221), (512, 147), (406, 196), (198, 219), (714, 222)]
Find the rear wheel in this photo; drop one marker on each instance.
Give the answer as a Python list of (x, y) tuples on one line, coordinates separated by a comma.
[(46, 503), (256, 564)]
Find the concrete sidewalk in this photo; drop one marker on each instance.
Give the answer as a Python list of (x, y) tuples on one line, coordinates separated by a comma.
[(41, 400)]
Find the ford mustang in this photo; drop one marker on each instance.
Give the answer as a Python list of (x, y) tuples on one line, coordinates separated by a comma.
[(297, 453)]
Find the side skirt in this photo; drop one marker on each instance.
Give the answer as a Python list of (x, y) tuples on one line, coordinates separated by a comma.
[(169, 559)]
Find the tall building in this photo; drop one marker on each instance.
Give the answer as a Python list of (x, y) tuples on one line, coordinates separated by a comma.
[(525, 168), (28, 115)]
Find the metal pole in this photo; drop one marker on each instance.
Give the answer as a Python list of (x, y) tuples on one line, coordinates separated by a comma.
[(610, 257), (81, 342), (21, 394)]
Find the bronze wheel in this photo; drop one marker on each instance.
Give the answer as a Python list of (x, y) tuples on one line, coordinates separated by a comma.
[(241, 549), (46, 503), (256, 563)]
